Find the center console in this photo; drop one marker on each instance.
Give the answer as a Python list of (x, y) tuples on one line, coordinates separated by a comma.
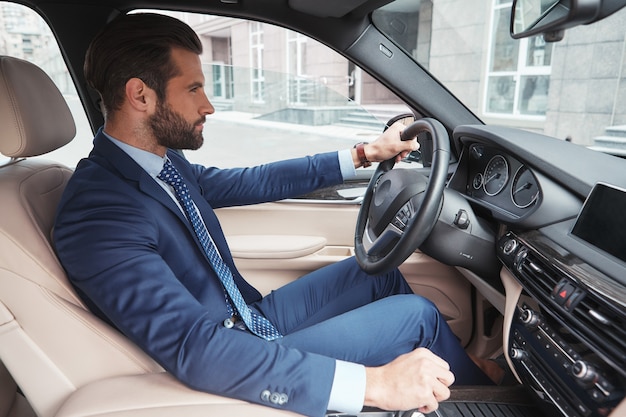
[(567, 340)]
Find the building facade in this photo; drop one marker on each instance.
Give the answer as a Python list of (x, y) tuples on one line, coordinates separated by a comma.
[(529, 83)]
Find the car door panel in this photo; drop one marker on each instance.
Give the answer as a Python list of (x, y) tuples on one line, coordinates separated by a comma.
[(276, 243)]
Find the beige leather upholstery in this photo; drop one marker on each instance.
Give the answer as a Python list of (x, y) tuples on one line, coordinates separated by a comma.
[(12, 403), (33, 114), (56, 350)]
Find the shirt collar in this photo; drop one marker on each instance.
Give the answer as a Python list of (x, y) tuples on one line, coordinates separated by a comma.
[(151, 163)]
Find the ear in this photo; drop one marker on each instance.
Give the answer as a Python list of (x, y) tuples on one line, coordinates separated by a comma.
[(139, 96)]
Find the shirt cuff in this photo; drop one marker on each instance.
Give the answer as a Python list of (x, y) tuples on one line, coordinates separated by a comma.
[(348, 391), (346, 164)]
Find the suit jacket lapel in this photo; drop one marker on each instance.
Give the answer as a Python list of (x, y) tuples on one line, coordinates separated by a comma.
[(132, 172)]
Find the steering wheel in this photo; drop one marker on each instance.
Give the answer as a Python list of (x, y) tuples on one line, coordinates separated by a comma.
[(401, 206)]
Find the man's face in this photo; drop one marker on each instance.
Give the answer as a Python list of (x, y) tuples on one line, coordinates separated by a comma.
[(171, 130), (178, 121)]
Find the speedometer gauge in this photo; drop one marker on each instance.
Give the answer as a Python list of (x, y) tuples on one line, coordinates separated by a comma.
[(496, 175), (524, 189)]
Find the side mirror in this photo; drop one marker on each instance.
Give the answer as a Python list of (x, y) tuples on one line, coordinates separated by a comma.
[(552, 17)]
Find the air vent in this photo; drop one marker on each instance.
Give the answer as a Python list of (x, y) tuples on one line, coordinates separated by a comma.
[(607, 327), (600, 326), (539, 281)]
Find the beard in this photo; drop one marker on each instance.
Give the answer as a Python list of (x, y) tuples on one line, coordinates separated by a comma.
[(171, 130)]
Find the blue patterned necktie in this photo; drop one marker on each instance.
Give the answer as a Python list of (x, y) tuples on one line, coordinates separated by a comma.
[(257, 324)]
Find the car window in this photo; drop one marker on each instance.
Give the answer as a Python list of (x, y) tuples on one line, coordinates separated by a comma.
[(279, 94), (572, 89), (25, 35)]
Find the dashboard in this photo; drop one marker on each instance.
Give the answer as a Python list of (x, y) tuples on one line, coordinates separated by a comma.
[(500, 180), (556, 214)]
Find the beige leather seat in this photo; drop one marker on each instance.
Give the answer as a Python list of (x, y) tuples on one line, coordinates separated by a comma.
[(66, 361)]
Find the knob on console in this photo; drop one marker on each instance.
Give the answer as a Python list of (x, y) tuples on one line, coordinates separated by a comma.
[(529, 318), (518, 354), (584, 372), (509, 246)]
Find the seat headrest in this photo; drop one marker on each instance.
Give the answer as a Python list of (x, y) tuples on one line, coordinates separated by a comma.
[(34, 117)]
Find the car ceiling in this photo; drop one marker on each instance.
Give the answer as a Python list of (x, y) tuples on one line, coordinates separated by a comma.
[(297, 13), (321, 8)]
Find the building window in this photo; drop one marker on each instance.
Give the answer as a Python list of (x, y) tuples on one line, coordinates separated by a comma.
[(222, 83), (257, 80), (518, 76), (296, 61), (218, 80)]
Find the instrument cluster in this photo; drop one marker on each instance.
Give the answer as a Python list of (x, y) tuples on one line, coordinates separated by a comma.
[(501, 180)]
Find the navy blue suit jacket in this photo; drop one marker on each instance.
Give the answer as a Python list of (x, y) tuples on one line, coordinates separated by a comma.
[(135, 260)]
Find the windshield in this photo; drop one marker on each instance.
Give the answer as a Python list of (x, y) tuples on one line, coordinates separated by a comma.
[(574, 89)]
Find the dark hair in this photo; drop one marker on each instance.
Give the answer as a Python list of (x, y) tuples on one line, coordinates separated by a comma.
[(136, 46)]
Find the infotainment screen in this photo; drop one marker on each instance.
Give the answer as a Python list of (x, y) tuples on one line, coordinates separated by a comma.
[(602, 220)]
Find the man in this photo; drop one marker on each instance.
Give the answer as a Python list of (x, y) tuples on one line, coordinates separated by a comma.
[(138, 237)]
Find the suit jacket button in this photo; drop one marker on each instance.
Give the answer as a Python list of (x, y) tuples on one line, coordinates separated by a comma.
[(229, 323), (283, 399), (265, 395), (275, 398)]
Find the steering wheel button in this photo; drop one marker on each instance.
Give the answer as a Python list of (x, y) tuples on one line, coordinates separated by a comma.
[(398, 223)]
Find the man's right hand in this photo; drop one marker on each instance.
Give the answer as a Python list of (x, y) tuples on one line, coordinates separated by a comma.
[(416, 380)]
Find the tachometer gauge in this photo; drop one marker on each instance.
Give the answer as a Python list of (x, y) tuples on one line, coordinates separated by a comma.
[(524, 189), (496, 175)]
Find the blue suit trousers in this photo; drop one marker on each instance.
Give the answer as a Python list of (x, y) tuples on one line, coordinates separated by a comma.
[(341, 312)]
